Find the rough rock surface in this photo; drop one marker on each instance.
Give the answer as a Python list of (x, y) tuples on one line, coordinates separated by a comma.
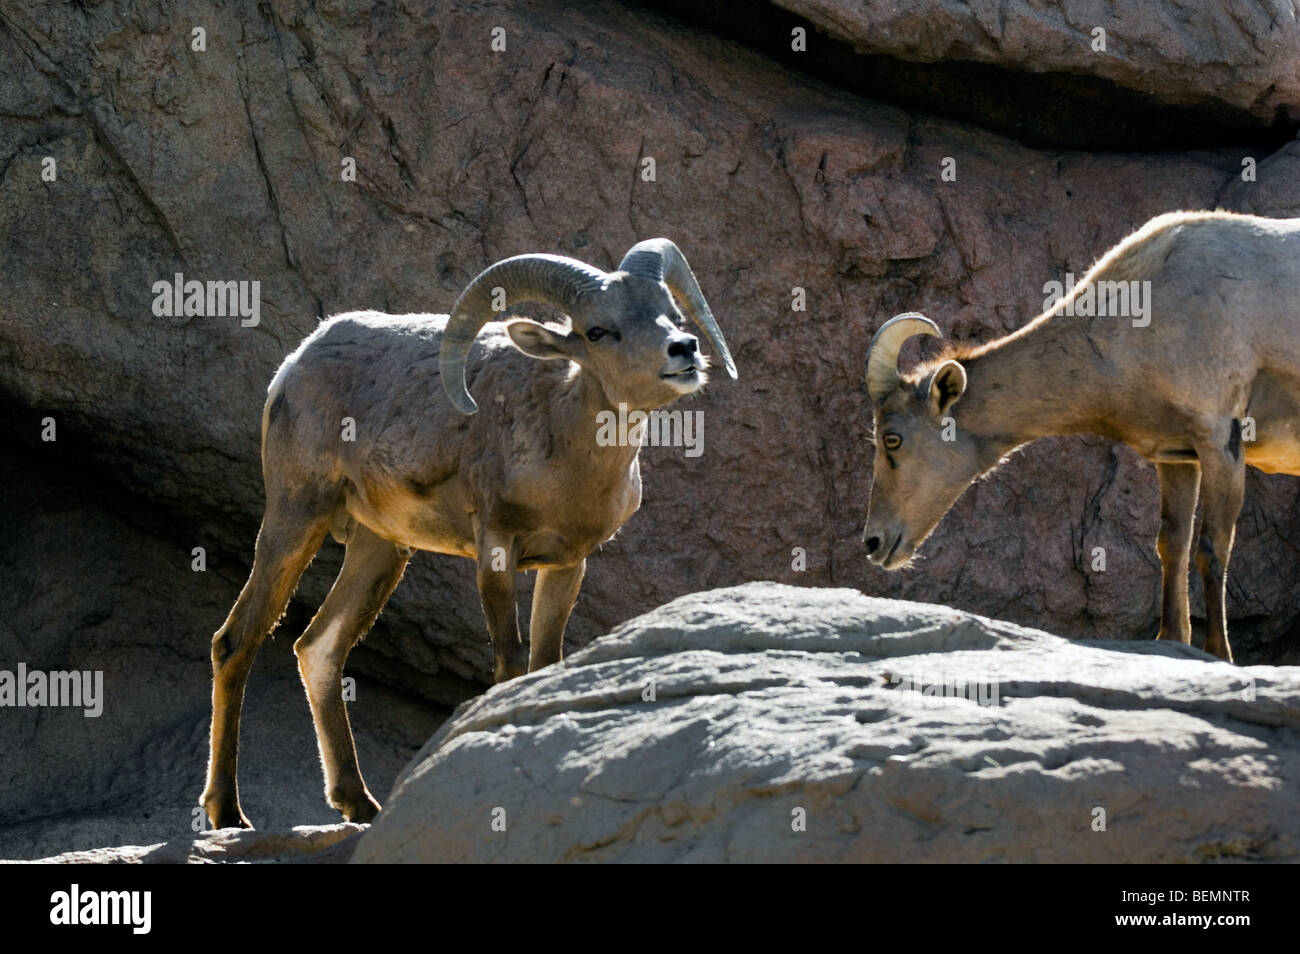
[(225, 165), (304, 844), (797, 724), (91, 583), (1242, 55)]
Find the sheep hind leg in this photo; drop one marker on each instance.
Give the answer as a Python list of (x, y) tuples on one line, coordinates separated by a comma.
[(372, 568), (1179, 486), (1223, 486), (290, 535), (553, 598)]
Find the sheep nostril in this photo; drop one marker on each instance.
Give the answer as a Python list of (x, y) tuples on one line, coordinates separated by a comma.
[(873, 544)]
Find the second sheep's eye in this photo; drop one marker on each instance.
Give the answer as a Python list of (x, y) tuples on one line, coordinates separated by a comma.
[(595, 334), (892, 441)]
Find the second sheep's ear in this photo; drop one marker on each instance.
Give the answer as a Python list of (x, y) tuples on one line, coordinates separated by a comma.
[(538, 341), (947, 384)]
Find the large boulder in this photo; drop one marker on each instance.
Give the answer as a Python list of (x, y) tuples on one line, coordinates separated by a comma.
[(775, 723), (1241, 56)]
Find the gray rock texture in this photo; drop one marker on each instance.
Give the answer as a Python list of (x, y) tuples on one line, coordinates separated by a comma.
[(775, 723), (93, 584), (1242, 55), (225, 164), (303, 844)]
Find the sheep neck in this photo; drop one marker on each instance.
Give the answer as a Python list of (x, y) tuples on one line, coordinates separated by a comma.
[(578, 404), (1029, 385)]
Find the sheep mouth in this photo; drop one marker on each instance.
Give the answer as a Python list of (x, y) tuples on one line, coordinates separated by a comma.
[(685, 380), (887, 561)]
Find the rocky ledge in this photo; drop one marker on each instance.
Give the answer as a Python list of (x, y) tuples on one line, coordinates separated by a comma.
[(774, 723), (306, 844), (767, 722)]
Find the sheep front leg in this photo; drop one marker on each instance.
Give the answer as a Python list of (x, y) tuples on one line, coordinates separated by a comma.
[(497, 565), (1223, 485), (1179, 485), (553, 598)]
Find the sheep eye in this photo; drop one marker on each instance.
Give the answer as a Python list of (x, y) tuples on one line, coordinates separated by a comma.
[(595, 334), (892, 441)]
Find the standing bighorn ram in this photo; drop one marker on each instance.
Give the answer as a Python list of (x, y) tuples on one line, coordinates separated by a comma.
[(1206, 383), (523, 485)]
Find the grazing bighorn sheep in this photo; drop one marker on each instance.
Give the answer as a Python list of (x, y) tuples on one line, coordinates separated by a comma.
[(524, 485), (1216, 356)]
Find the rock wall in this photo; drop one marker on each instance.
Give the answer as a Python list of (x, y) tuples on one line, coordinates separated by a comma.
[(226, 164), (1245, 57), (94, 584)]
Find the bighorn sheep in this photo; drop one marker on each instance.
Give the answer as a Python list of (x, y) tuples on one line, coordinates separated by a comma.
[(524, 485), (1206, 382)]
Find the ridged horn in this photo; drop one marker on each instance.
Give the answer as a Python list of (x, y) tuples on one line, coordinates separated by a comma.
[(882, 355), (549, 279), (661, 261)]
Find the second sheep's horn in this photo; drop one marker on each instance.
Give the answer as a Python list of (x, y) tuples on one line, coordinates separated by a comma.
[(882, 355), (550, 279)]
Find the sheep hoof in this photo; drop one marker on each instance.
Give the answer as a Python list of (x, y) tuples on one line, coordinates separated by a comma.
[(229, 817), (1219, 648), (362, 812), (514, 665)]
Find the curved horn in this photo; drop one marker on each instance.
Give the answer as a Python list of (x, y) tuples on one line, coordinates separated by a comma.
[(550, 279), (661, 261), (882, 355)]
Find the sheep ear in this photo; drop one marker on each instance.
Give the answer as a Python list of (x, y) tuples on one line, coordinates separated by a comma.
[(538, 341), (947, 384)]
